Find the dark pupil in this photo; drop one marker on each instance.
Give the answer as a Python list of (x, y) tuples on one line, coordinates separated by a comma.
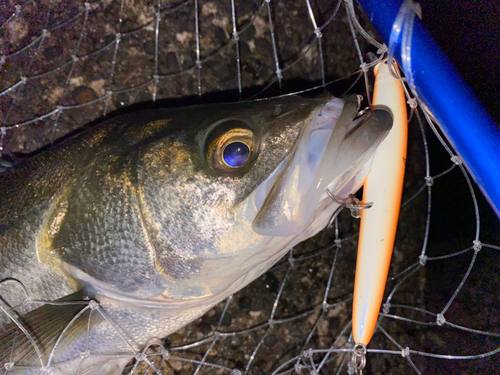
[(236, 154)]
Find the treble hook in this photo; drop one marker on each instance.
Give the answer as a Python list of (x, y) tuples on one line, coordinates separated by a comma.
[(352, 203)]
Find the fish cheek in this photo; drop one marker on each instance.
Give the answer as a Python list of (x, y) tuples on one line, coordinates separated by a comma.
[(163, 172), (101, 232)]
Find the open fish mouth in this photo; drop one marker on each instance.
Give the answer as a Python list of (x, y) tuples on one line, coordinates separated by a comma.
[(334, 151)]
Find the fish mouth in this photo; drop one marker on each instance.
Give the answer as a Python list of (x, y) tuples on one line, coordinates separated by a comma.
[(332, 151)]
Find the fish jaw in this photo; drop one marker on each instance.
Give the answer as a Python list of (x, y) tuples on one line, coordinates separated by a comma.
[(330, 149), (284, 211)]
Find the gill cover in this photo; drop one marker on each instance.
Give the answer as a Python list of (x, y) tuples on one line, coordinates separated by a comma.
[(334, 144)]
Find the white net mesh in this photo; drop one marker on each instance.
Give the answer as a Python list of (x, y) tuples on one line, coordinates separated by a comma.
[(68, 64)]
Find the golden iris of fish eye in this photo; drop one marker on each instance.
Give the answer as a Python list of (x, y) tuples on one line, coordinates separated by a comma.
[(215, 152)]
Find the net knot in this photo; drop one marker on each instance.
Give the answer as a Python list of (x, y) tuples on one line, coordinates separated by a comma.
[(291, 260), (236, 36), (3, 130), (235, 371), (271, 323), (8, 366), (405, 352), (75, 58), (422, 260), (198, 64), (118, 37), (87, 5), (156, 78), (24, 79), (324, 306), (338, 242), (17, 8), (440, 319), (457, 160), (140, 357), (94, 305), (318, 33), (308, 353), (298, 368), (216, 334), (477, 245), (85, 354), (364, 67), (429, 181), (165, 354), (412, 102), (382, 50), (386, 308), (279, 74)]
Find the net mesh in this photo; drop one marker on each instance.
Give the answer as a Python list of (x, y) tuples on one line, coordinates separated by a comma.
[(65, 65)]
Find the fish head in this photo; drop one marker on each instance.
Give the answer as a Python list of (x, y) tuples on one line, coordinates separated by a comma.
[(226, 190), (219, 193)]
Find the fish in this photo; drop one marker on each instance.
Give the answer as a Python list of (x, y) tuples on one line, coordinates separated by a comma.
[(125, 233)]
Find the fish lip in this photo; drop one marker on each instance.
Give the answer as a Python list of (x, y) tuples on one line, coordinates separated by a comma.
[(341, 163), (278, 198)]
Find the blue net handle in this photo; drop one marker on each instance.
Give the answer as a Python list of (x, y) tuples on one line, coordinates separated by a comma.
[(463, 120)]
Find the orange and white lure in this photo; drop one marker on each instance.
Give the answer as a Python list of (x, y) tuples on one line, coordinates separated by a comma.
[(383, 186)]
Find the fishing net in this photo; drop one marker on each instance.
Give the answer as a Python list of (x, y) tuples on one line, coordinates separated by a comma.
[(65, 65)]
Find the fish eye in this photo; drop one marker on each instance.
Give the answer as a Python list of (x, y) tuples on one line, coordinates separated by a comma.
[(231, 151), (236, 154)]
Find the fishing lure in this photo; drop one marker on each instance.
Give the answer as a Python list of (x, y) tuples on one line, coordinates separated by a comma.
[(383, 186)]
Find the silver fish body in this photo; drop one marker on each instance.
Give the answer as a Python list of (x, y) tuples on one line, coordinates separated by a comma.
[(161, 214)]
